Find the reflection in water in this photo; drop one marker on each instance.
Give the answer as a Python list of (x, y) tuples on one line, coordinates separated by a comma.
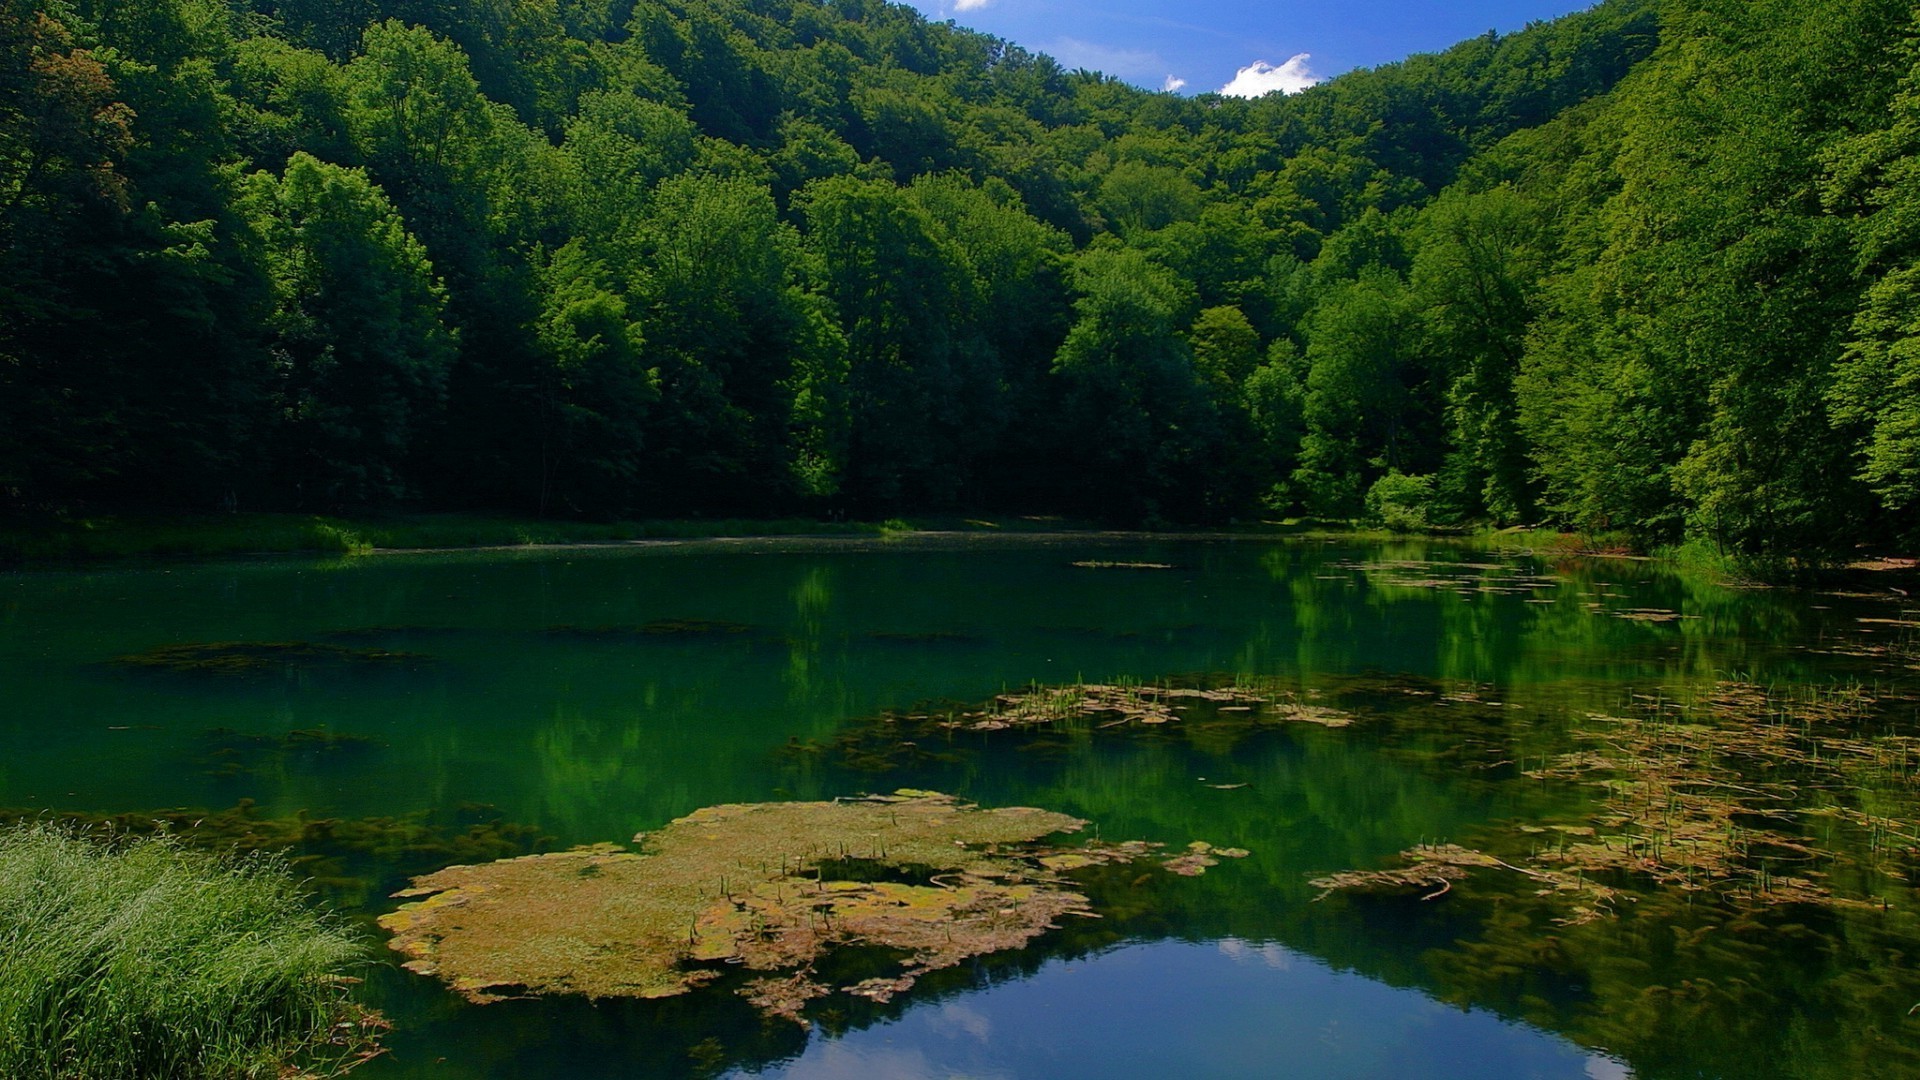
[(1465, 673), (1230, 1009)]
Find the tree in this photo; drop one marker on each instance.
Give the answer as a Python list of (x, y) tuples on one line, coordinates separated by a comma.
[(893, 283), (593, 391), (1480, 260), (359, 337), (715, 272), (1361, 413), (62, 132), (1132, 411)]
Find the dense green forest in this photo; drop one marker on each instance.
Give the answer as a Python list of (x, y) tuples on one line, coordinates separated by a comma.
[(1653, 268)]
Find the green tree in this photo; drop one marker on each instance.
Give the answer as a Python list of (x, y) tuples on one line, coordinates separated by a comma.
[(1361, 411), (716, 273), (1132, 410), (893, 282), (593, 391), (359, 337), (1480, 260)]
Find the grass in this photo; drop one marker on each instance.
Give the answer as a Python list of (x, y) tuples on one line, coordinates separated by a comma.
[(141, 959)]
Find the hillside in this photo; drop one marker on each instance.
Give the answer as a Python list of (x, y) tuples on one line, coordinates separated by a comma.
[(1650, 267)]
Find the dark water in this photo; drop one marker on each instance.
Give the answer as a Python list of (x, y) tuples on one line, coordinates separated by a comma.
[(425, 709)]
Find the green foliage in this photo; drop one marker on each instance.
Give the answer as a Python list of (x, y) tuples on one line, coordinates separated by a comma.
[(143, 959), (1133, 408), (359, 334), (1360, 408), (1647, 268), (1400, 502), (1481, 258), (895, 282), (593, 390)]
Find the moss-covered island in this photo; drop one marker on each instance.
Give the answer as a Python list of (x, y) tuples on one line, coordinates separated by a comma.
[(774, 888)]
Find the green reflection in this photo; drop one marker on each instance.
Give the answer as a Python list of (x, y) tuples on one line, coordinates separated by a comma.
[(1465, 670)]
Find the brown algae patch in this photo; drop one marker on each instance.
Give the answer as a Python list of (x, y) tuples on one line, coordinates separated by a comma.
[(1724, 794), (255, 657), (769, 887), (1149, 705), (657, 629), (1208, 710)]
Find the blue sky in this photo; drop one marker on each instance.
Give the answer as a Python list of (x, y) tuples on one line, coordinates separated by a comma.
[(1214, 44)]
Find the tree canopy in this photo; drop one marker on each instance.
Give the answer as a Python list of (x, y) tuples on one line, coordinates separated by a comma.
[(1652, 267)]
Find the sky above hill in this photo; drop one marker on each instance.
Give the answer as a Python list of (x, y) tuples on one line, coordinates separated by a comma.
[(1245, 47)]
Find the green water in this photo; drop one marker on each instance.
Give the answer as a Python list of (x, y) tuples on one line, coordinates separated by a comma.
[(581, 695)]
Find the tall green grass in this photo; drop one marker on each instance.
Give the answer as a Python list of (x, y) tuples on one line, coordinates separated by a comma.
[(142, 959)]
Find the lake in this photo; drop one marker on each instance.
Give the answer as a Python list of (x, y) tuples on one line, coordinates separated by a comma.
[(1662, 827)]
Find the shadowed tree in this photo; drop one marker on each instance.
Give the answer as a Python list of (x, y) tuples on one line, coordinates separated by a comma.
[(359, 339)]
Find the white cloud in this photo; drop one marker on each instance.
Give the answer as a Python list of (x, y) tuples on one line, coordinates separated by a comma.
[(970, 5), (1127, 63), (1260, 78), (1173, 84)]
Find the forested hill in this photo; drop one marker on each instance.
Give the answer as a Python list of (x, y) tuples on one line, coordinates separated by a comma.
[(1653, 267)]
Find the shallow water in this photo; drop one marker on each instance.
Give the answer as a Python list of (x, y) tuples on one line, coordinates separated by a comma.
[(581, 695)]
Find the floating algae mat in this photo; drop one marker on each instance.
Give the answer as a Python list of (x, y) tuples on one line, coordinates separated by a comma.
[(1734, 792), (1118, 706), (771, 887)]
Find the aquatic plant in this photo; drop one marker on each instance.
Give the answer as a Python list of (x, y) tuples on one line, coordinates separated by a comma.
[(925, 637), (1151, 705), (658, 628), (1213, 709), (139, 958), (231, 753), (254, 657), (772, 888), (1713, 793)]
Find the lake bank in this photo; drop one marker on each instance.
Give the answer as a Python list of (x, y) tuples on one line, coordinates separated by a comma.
[(89, 540)]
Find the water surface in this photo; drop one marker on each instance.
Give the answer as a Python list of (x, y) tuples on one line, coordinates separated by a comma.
[(571, 696)]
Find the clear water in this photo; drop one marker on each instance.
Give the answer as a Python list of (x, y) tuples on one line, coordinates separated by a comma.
[(587, 694)]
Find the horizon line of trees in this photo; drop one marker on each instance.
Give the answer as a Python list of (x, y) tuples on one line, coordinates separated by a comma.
[(1650, 268)]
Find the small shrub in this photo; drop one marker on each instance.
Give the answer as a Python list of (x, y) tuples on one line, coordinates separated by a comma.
[(1401, 502), (141, 959)]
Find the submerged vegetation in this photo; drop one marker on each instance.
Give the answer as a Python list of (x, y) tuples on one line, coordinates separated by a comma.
[(773, 888), (658, 628), (260, 657), (1734, 792), (138, 959)]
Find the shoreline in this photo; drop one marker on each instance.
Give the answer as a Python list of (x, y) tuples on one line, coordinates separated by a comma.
[(112, 540), (118, 541)]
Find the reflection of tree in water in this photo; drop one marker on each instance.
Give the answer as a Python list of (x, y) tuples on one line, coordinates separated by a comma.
[(806, 636)]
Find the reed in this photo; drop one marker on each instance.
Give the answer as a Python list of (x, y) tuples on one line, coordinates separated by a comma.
[(139, 958)]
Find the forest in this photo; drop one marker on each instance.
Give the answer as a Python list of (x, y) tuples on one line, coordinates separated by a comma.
[(1651, 269)]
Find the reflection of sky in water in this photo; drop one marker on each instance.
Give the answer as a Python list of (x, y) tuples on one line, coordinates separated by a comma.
[(1178, 1009)]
